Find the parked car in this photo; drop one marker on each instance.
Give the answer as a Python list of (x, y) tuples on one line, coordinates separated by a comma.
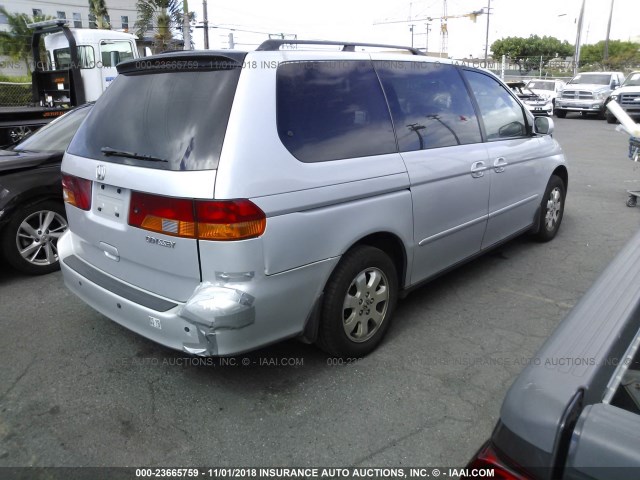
[(222, 201), (574, 412), (536, 104), (32, 216), (627, 96), (546, 88), (586, 93)]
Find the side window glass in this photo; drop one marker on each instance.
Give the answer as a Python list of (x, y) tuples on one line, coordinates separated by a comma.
[(332, 110), (62, 57), (501, 113), (113, 53), (429, 103)]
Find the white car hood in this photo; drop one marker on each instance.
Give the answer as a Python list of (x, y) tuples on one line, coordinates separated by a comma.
[(592, 87), (629, 89)]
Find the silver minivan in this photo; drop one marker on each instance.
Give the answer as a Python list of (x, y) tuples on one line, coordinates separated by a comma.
[(222, 201)]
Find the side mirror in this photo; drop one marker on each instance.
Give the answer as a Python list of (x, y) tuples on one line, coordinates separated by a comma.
[(543, 126)]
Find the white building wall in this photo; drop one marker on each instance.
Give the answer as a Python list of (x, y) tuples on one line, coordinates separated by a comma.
[(77, 11)]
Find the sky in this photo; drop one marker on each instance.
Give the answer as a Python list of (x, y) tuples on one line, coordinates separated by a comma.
[(366, 20)]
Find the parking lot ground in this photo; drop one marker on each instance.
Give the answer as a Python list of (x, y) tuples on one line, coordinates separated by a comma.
[(78, 390)]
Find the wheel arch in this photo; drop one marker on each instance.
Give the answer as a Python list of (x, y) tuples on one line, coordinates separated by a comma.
[(393, 246), (561, 171)]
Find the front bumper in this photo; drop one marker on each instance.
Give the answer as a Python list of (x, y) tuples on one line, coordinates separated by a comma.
[(571, 105), (540, 109)]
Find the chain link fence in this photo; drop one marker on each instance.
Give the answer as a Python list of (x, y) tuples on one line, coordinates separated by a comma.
[(15, 94)]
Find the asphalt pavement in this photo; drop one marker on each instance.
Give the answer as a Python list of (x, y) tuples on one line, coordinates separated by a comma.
[(78, 390)]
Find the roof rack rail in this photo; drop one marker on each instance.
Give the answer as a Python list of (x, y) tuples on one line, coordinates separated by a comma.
[(275, 44)]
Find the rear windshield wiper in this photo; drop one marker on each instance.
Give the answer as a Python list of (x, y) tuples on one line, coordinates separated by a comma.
[(108, 151)]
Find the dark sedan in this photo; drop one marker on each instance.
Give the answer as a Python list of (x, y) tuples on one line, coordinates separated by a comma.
[(32, 215)]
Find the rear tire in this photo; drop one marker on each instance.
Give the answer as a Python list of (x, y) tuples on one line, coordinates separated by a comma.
[(30, 239), (359, 302), (561, 113), (551, 209)]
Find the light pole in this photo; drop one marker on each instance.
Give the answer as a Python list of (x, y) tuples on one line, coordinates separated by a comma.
[(486, 44), (205, 24), (606, 42), (576, 53)]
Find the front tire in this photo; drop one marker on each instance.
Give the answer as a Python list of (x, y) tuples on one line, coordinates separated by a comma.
[(561, 113), (551, 209), (611, 118), (359, 302), (30, 239)]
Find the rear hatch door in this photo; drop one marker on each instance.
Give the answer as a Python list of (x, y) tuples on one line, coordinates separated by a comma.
[(148, 149)]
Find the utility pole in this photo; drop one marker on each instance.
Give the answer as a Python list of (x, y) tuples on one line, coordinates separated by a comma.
[(186, 27), (576, 53), (605, 60), (486, 40), (411, 30), (427, 30), (205, 24)]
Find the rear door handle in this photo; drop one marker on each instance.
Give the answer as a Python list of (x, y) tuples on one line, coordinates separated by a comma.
[(477, 169), (499, 164)]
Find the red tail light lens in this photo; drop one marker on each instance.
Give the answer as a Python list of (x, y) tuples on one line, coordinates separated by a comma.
[(488, 459), (171, 216), (229, 220), (202, 219), (76, 191)]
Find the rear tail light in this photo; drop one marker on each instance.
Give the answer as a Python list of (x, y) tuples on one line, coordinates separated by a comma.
[(202, 219), (229, 220), (487, 459), (76, 191)]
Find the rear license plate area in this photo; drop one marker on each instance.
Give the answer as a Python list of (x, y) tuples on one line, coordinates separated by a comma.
[(111, 202)]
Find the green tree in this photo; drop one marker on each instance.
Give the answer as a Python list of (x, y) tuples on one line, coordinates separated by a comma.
[(16, 43), (527, 52), (98, 9), (622, 55), (162, 18)]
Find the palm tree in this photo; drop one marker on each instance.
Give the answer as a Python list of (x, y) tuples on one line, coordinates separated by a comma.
[(98, 8), (159, 17), (16, 43), (162, 18)]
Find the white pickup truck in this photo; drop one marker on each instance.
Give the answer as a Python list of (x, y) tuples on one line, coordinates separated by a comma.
[(627, 96), (586, 93)]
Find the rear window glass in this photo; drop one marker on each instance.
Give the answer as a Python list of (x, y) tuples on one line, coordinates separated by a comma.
[(331, 110), (178, 118)]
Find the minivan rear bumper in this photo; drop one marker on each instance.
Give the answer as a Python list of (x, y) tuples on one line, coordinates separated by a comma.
[(255, 320)]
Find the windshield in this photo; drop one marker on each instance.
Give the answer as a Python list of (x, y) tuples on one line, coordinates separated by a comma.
[(592, 78), (177, 116), (633, 80), (538, 85), (55, 136)]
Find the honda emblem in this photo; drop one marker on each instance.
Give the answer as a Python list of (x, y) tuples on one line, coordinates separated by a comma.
[(101, 172)]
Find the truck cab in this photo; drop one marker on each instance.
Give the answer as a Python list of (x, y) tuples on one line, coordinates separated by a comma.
[(79, 64), (98, 51)]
